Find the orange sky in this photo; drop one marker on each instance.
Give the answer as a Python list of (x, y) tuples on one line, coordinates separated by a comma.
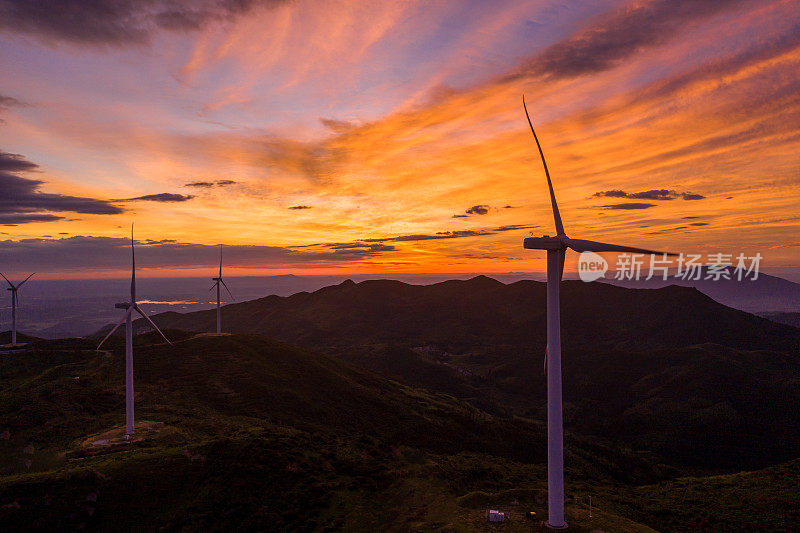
[(385, 120)]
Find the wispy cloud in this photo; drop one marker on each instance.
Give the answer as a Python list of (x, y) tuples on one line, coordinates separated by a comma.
[(160, 197), (115, 23), (652, 194), (629, 206)]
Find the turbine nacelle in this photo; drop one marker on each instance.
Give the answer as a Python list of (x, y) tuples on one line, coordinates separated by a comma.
[(545, 243)]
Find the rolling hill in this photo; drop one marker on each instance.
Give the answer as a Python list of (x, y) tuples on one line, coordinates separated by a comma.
[(668, 372)]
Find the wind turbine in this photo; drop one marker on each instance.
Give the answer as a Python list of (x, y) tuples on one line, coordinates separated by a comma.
[(556, 251), (14, 299), (130, 307), (217, 282)]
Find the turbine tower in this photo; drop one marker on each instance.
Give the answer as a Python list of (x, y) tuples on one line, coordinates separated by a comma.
[(217, 282), (14, 299), (556, 251), (130, 307)]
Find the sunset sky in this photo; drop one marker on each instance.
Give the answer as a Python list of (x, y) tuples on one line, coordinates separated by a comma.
[(371, 137)]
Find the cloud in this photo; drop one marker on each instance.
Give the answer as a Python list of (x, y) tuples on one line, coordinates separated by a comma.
[(478, 210), (617, 36), (15, 163), (10, 101), (298, 207), (160, 197), (209, 184), (118, 22), (629, 205), (337, 126), (460, 216), (652, 194), (80, 253), (21, 202), (450, 234), (12, 219)]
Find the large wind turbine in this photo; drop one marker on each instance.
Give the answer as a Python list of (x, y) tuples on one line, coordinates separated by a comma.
[(217, 282), (14, 299), (130, 307), (556, 250)]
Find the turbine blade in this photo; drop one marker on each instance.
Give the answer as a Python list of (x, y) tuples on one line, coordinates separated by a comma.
[(220, 260), (556, 214), (214, 285), (5, 278), (133, 269), (227, 289), (151, 323), (562, 256), (24, 280), (581, 245), (124, 317)]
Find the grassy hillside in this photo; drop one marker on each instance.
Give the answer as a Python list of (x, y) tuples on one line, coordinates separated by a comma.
[(240, 432), (667, 372)]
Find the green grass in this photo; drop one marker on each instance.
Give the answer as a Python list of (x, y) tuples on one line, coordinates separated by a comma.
[(260, 435)]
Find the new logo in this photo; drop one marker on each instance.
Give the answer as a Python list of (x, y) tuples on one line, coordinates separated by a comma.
[(591, 266)]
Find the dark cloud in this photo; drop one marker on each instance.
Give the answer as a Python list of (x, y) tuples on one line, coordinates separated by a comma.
[(298, 207), (15, 163), (160, 197), (21, 202), (629, 205), (337, 126), (699, 224), (620, 34), (510, 207), (450, 234), (114, 22), (460, 216), (478, 210), (79, 253), (652, 194), (209, 184), (13, 219), (10, 101), (514, 227)]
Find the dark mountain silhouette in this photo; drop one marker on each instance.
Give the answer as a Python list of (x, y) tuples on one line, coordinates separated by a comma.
[(764, 294), (485, 311)]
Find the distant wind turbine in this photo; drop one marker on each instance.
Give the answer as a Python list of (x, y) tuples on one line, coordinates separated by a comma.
[(556, 251), (217, 282), (14, 299), (130, 307)]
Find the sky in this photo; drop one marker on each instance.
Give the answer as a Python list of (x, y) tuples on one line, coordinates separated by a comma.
[(389, 137)]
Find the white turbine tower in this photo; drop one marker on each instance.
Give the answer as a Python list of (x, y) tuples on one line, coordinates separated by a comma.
[(556, 250), (14, 299), (130, 307), (217, 282)]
